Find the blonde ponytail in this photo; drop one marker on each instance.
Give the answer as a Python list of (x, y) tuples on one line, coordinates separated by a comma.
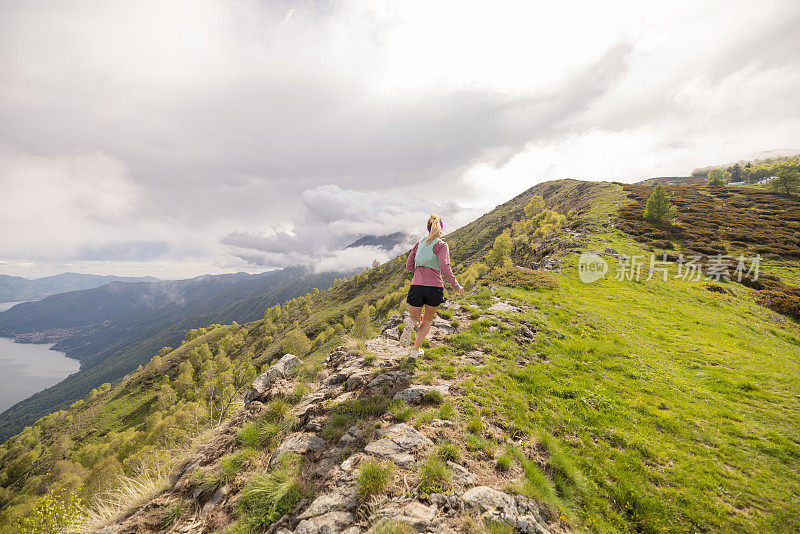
[(436, 228)]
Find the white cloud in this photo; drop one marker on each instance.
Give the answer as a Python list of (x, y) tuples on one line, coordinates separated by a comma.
[(154, 128)]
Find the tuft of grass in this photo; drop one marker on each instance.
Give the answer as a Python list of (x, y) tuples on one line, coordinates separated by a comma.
[(231, 464), (447, 450), (275, 410), (347, 413), (447, 411), (207, 481), (475, 425), (373, 477), (173, 513), (129, 494), (432, 396), (299, 390), (266, 497), (401, 410), (423, 418), (504, 462), (392, 526), (434, 475)]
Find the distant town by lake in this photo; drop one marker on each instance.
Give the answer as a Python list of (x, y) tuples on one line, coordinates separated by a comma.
[(26, 368)]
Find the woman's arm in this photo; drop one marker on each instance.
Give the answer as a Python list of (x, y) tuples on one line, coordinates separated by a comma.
[(443, 253), (411, 255)]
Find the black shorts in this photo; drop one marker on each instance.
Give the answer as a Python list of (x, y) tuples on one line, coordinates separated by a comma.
[(430, 295)]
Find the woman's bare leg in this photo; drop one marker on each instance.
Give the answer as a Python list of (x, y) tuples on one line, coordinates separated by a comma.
[(416, 314), (427, 319)]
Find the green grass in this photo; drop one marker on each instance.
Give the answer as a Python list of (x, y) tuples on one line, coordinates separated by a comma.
[(658, 406), (267, 496), (447, 450), (401, 410), (434, 475), (346, 414), (391, 526), (373, 477)]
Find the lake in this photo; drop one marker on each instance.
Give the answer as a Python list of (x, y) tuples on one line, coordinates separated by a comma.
[(26, 369)]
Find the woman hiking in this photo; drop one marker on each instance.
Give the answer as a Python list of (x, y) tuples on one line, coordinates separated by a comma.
[(428, 260)]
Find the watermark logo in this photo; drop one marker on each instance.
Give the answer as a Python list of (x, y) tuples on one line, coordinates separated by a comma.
[(692, 268), (591, 267)]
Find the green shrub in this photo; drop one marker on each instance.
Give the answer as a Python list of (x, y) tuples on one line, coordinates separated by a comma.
[(373, 477), (523, 278), (266, 497)]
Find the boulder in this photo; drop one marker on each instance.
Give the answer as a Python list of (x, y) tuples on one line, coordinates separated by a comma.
[(503, 306), (343, 499), (264, 381), (461, 474), (416, 393), (486, 499), (398, 443), (298, 442), (329, 523)]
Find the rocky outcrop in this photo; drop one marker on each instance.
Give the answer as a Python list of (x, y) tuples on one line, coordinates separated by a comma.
[(263, 382)]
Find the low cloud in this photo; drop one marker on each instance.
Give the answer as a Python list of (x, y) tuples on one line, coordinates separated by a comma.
[(330, 218)]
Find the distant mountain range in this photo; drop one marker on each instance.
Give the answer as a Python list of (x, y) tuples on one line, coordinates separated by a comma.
[(386, 242), (17, 288), (117, 327)]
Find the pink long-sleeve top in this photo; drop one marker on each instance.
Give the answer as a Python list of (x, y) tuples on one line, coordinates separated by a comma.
[(426, 276)]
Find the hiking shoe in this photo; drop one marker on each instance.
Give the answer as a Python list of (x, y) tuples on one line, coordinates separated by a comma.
[(416, 353), (408, 332)]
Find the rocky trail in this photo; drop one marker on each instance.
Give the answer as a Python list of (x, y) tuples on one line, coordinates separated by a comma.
[(331, 461)]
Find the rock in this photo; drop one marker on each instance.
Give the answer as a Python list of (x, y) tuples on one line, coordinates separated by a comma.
[(329, 523), (315, 424), (264, 381), (343, 499), (440, 423), (307, 404), (503, 306), (390, 380), (298, 442), (461, 474), (353, 435), (215, 499), (486, 499), (473, 357), (415, 393), (356, 380), (611, 251), (398, 443), (417, 514), (442, 325), (414, 513)]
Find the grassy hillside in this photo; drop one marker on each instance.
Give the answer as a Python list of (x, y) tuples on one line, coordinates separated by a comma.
[(620, 405), (119, 346)]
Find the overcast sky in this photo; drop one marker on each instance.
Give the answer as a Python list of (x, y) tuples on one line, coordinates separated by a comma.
[(175, 138)]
